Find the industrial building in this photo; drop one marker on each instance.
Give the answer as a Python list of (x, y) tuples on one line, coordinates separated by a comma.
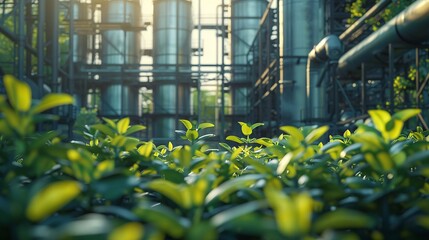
[(279, 62)]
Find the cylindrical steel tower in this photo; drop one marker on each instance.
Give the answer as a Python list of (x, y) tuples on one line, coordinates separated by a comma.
[(246, 15), (302, 26), (120, 45), (81, 42), (172, 32)]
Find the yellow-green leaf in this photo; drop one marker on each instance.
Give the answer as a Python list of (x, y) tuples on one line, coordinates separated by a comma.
[(406, 114), (316, 134), (294, 132), (52, 198), (205, 125), (246, 130), (130, 231), (234, 139), (191, 134), (174, 192), (380, 118), (170, 146), (18, 92), (53, 100), (146, 149), (343, 219), (123, 125), (186, 123), (134, 129)]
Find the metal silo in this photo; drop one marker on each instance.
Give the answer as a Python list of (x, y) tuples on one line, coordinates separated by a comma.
[(81, 12), (302, 26), (120, 45), (172, 32), (246, 15)]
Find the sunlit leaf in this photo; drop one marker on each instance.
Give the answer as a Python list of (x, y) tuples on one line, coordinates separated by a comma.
[(104, 129), (245, 129), (123, 125), (146, 149), (232, 185), (134, 129), (53, 100), (131, 231), (343, 219), (18, 93), (186, 123), (191, 134), (256, 125), (230, 214), (164, 219), (294, 132), (52, 198), (205, 125), (316, 134), (380, 118), (234, 139), (406, 114), (174, 192)]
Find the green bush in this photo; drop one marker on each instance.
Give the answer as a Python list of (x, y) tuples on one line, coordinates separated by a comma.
[(369, 184)]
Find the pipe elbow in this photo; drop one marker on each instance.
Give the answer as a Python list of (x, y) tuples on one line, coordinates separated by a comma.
[(329, 48)]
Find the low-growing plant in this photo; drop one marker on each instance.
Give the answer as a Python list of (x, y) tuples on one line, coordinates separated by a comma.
[(304, 184)]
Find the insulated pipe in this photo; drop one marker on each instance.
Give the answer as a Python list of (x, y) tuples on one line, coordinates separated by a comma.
[(409, 27), (329, 48), (369, 14)]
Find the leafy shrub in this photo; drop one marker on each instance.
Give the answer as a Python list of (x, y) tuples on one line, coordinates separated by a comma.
[(369, 184)]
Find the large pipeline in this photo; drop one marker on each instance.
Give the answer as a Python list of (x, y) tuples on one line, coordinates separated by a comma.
[(410, 27)]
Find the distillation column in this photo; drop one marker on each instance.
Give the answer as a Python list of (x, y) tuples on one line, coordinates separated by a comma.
[(172, 29), (246, 15), (301, 27), (120, 45)]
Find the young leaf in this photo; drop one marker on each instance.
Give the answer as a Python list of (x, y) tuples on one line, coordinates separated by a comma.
[(234, 139), (406, 114), (205, 125), (186, 123), (172, 191), (256, 125), (18, 92), (53, 100), (316, 134), (294, 132), (104, 129), (245, 129), (134, 129), (123, 125), (51, 199), (191, 134)]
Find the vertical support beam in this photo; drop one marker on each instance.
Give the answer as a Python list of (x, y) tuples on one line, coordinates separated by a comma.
[(391, 79), (199, 64), (54, 54), (40, 45), (29, 36), (222, 73), (178, 82), (363, 88), (21, 38), (71, 67)]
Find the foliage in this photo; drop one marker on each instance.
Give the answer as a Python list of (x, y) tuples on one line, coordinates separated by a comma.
[(369, 184)]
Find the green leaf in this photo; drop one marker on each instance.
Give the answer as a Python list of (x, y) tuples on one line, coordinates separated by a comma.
[(191, 134), (202, 231), (164, 219), (123, 125), (172, 191), (186, 123), (343, 219), (110, 122), (316, 134), (53, 100), (52, 198), (230, 214), (234, 139), (245, 129), (104, 129), (134, 129), (205, 125), (256, 125), (18, 93), (293, 132), (232, 185), (406, 114), (130, 230), (146, 149), (380, 118), (265, 142)]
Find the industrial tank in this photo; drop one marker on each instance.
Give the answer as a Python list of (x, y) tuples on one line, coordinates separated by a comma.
[(245, 18), (120, 45), (81, 42), (302, 27), (172, 32)]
